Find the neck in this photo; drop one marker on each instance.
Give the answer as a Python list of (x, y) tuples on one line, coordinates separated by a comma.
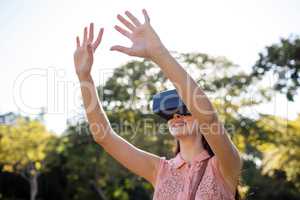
[(190, 146)]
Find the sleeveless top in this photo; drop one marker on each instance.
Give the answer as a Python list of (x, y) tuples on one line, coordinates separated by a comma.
[(176, 177)]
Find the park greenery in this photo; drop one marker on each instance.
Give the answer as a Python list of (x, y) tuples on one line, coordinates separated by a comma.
[(37, 164)]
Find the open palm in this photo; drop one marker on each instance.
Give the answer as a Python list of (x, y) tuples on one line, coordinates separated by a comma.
[(84, 53), (145, 42)]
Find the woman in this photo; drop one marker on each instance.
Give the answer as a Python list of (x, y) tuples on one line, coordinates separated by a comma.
[(207, 165)]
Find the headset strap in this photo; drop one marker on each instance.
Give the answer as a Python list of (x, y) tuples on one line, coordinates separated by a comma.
[(198, 179)]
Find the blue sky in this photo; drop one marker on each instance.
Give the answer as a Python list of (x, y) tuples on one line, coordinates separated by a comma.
[(38, 40)]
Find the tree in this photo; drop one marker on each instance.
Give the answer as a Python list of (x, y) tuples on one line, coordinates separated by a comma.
[(283, 61), (23, 149), (282, 151)]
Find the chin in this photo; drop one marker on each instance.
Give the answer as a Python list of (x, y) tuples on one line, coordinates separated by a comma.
[(180, 133)]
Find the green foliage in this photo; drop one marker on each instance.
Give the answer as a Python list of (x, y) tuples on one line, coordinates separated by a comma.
[(130, 84), (24, 146), (283, 61), (261, 186), (282, 151)]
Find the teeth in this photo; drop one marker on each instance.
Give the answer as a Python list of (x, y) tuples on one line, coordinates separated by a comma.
[(179, 124), (175, 129)]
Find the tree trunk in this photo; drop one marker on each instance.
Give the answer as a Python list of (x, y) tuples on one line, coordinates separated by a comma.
[(98, 190), (33, 186)]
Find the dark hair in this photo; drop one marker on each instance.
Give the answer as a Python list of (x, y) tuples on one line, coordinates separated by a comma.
[(211, 153)]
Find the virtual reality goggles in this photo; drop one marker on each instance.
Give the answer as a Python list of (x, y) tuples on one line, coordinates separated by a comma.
[(167, 103)]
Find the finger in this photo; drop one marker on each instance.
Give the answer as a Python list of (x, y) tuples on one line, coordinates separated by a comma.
[(84, 36), (123, 31), (98, 40), (146, 16), (90, 49), (132, 18), (122, 49), (77, 42), (126, 22), (91, 33)]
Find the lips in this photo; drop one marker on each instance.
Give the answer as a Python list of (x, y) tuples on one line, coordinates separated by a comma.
[(178, 124)]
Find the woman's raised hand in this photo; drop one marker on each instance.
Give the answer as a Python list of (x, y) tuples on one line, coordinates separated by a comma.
[(84, 53), (145, 42)]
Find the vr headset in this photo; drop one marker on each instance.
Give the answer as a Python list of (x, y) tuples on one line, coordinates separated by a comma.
[(167, 103)]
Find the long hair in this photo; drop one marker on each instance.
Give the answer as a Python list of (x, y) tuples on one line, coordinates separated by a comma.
[(211, 153)]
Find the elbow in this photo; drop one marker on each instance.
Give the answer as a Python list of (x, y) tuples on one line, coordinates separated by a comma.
[(99, 133)]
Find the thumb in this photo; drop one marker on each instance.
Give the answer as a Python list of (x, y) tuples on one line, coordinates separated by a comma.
[(122, 49)]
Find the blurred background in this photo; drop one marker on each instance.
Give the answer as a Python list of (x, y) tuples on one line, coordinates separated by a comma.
[(244, 54)]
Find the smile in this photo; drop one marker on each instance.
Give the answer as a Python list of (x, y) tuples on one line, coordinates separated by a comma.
[(178, 124)]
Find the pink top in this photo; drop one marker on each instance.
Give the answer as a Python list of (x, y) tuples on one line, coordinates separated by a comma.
[(176, 175)]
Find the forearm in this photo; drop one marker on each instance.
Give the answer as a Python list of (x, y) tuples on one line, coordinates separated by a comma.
[(98, 121), (191, 94), (124, 152)]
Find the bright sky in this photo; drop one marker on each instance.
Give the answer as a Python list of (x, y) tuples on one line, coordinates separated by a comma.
[(38, 40)]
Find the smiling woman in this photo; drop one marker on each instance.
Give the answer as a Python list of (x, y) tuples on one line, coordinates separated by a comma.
[(192, 178), (196, 172)]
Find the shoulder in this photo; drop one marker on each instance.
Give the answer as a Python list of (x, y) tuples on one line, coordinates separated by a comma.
[(163, 168), (165, 164)]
